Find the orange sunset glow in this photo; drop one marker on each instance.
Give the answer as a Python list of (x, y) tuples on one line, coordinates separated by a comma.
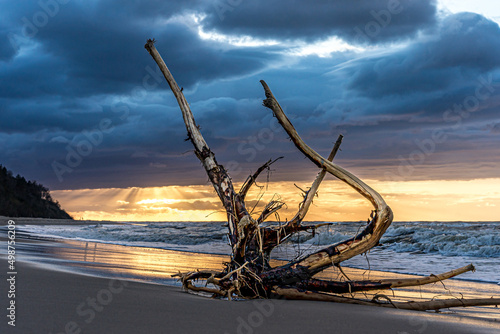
[(474, 200)]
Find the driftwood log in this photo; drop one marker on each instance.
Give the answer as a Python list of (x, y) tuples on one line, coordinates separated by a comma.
[(249, 274)]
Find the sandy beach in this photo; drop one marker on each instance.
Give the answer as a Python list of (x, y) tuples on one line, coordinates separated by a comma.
[(84, 287), (57, 302), (244, 167)]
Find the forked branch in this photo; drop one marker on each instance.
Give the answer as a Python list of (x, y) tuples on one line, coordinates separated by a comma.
[(372, 233), (275, 236), (304, 207), (253, 178)]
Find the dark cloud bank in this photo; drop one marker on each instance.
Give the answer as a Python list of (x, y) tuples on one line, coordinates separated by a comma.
[(78, 89), (362, 21)]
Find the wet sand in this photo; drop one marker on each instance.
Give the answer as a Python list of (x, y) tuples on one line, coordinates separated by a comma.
[(50, 301), (85, 287)]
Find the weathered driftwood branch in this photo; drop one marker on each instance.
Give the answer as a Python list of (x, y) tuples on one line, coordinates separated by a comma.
[(372, 233), (292, 293), (271, 207), (354, 286), (275, 236), (399, 283), (237, 215), (364, 241), (249, 274), (304, 207), (253, 178)]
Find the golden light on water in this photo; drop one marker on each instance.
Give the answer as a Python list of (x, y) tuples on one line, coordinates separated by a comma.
[(158, 265), (433, 200)]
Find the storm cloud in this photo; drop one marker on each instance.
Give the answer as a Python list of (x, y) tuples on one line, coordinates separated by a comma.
[(84, 106), (364, 21)]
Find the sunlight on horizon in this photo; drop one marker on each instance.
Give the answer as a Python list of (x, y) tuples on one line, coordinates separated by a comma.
[(438, 200)]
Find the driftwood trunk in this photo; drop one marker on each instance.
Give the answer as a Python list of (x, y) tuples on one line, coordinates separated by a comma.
[(249, 275)]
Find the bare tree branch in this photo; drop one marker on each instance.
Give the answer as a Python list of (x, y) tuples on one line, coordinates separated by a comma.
[(270, 208), (304, 207), (252, 178), (353, 286), (277, 235), (237, 214), (372, 233), (292, 293)]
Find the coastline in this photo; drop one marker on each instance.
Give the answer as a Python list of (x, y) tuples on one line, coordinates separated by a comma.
[(50, 221), (60, 302), (56, 276)]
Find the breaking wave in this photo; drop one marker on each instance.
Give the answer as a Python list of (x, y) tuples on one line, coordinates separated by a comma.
[(406, 247)]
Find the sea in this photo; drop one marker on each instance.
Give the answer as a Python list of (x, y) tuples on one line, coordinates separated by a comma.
[(421, 248)]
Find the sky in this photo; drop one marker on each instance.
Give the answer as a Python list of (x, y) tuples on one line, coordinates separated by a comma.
[(414, 87)]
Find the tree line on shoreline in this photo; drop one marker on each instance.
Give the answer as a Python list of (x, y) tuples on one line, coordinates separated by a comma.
[(22, 198)]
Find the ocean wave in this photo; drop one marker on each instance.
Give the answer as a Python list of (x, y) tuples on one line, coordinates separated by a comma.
[(449, 239), (412, 247), (175, 233), (475, 240)]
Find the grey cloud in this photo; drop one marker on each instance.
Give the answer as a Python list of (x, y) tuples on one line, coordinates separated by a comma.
[(91, 55), (463, 47), (363, 21), (31, 117), (495, 128), (7, 49), (84, 50)]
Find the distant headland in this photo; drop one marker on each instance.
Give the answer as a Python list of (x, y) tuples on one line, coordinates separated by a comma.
[(21, 198)]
